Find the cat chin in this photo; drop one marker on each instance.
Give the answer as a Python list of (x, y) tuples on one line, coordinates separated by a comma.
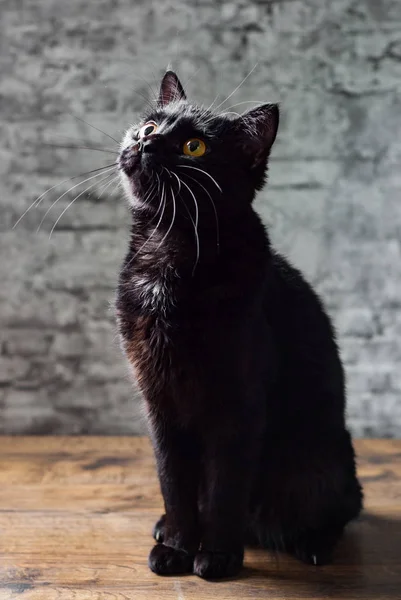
[(129, 190), (132, 194)]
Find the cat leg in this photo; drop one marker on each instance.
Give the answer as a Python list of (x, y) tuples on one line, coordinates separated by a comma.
[(177, 464), (227, 473), (315, 545), (307, 497)]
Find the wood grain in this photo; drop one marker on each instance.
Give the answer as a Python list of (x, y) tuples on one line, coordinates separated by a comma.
[(76, 515)]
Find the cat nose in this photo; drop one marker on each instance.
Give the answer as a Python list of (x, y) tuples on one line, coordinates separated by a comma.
[(151, 144), (133, 150)]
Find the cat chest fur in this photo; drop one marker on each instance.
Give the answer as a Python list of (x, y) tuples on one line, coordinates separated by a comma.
[(144, 305), (154, 293)]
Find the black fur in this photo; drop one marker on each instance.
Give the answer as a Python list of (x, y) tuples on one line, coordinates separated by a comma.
[(233, 351)]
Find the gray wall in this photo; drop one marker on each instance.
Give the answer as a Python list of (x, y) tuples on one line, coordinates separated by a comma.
[(333, 202)]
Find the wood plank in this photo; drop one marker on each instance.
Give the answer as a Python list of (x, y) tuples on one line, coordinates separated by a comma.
[(76, 515)]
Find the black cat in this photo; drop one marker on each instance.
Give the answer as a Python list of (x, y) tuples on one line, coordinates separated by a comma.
[(233, 351)]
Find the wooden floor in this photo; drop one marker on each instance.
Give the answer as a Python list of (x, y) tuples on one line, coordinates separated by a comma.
[(76, 515)]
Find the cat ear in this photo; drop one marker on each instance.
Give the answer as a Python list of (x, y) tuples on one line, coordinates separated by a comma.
[(171, 89), (260, 126)]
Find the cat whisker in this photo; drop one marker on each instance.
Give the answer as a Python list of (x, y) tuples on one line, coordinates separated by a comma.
[(67, 147), (209, 108), (80, 141), (244, 102), (158, 192), (169, 175), (155, 229), (39, 199), (167, 171), (118, 185), (195, 223), (94, 127), (147, 101), (207, 116), (214, 210), (172, 219), (104, 187), (153, 94), (230, 112), (188, 81), (178, 181), (237, 88), (72, 202), (70, 190), (149, 199), (195, 203), (202, 171), (149, 192)]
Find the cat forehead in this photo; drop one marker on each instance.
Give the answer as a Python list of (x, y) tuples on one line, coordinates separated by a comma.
[(183, 114)]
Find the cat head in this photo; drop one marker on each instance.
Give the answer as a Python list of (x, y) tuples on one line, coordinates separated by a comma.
[(192, 150)]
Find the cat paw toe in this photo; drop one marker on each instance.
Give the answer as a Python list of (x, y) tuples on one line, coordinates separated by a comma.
[(159, 529), (164, 560), (215, 565)]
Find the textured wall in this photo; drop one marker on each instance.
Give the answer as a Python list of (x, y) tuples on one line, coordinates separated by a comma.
[(333, 202)]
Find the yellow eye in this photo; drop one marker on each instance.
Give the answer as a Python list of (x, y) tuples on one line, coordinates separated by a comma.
[(147, 129), (194, 147)]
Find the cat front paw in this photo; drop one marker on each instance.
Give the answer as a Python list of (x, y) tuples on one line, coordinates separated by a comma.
[(216, 565), (159, 530), (164, 560)]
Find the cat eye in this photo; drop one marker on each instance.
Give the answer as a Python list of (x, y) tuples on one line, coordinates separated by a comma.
[(147, 129), (194, 147)]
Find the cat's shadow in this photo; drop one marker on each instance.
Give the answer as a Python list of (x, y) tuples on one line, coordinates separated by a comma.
[(367, 565)]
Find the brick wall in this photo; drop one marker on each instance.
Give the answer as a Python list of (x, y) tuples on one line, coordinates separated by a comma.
[(333, 203)]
